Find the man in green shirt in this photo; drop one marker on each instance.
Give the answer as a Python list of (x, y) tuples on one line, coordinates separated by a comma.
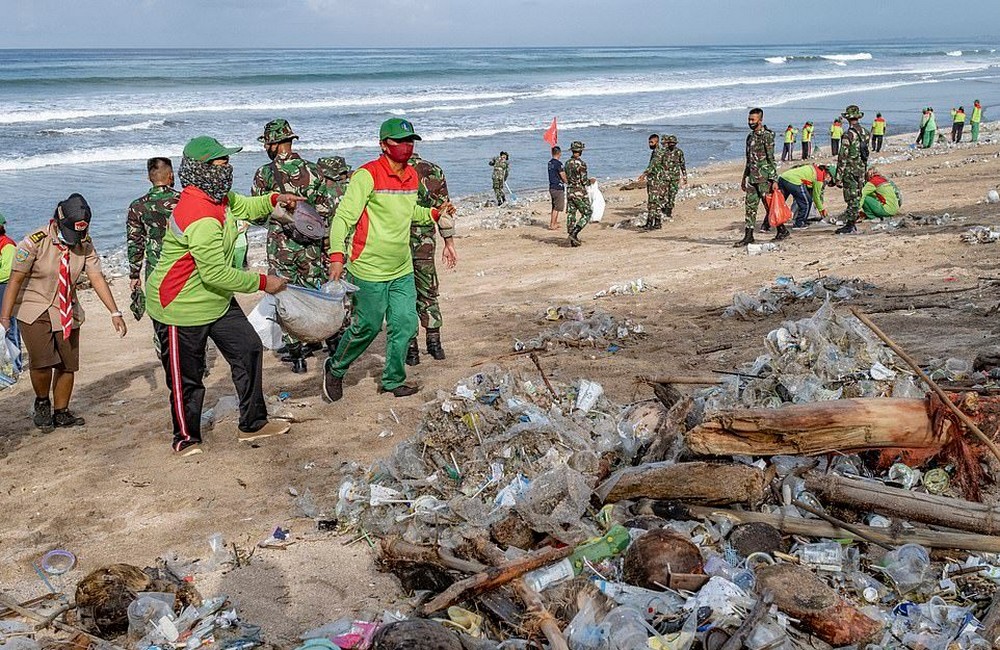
[(377, 211), (805, 184), (189, 295), (977, 117), (880, 198)]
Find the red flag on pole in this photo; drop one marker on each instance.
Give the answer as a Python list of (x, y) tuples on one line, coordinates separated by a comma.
[(552, 134)]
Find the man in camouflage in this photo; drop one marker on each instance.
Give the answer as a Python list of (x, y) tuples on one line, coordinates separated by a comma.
[(501, 169), (578, 208), (674, 174), (759, 175), (145, 226), (655, 186), (432, 192), (336, 174), (147, 219), (289, 255), (852, 163)]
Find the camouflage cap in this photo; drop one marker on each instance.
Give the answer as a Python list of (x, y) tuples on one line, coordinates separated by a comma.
[(670, 139), (853, 113), (576, 146), (276, 131), (333, 166)]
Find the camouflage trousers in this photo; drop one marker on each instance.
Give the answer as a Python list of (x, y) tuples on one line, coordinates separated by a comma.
[(578, 211), (656, 194), (670, 197), (425, 277), (498, 191), (303, 265), (853, 183), (756, 194)]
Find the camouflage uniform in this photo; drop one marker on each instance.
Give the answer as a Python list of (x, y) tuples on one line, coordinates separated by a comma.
[(578, 208), (334, 169), (501, 168), (851, 167), (760, 172), (673, 169), (655, 187), (301, 262), (431, 193), (145, 226)]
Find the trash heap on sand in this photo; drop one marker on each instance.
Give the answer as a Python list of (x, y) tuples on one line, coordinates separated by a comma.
[(785, 290), (527, 513), (591, 328), (530, 513)]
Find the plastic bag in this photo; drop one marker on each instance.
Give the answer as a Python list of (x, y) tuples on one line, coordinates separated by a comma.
[(313, 315), (264, 319), (10, 360), (597, 204), (778, 212)]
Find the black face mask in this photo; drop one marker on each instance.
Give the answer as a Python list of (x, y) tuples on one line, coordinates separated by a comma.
[(653, 146), (752, 125), (72, 216)]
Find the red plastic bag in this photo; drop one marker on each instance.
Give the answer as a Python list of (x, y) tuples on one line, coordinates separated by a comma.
[(778, 212)]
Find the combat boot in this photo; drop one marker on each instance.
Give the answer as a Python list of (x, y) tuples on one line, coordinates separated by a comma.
[(747, 238), (574, 238), (657, 223), (434, 345), (847, 229), (296, 357), (413, 352), (782, 233)]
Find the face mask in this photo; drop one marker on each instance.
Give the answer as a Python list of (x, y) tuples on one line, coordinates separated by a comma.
[(399, 152), (752, 126), (671, 147), (213, 180), (652, 147)]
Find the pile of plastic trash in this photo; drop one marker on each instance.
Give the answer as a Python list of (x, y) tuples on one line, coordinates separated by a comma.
[(785, 290), (595, 328), (497, 445), (630, 288), (980, 235), (827, 356)]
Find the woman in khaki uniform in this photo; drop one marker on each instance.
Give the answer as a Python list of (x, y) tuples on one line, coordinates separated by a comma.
[(42, 296)]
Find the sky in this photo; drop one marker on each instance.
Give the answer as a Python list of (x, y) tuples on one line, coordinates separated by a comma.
[(471, 23)]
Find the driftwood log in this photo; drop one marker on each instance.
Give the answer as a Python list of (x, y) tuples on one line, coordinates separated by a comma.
[(494, 577), (818, 428), (798, 592), (991, 622), (532, 600), (914, 506), (819, 528), (703, 483)]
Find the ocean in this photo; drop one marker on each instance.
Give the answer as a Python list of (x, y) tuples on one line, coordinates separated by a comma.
[(86, 120)]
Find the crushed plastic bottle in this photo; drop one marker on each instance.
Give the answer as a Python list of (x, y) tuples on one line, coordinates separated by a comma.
[(626, 629), (825, 556), (907, 566)]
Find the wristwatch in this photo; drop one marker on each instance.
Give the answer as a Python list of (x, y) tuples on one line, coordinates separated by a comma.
[(116, 313)]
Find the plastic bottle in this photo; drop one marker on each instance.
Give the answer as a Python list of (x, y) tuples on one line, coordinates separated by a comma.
[(907, 566), (613, 542), (626, 629)]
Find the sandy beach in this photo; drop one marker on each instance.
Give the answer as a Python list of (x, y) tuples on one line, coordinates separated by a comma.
[(114, 492)]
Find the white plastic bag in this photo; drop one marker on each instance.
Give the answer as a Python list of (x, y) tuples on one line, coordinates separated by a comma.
[(264, 319), (596, 202), (313, 315), (10, 360)]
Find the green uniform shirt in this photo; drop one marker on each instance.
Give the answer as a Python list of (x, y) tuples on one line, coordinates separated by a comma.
[(790, 135), (977, 114), (807, 175), (958, 117), (7, 250), (878, 126), (836, 132), (885, 191), (195, 280), (378, 207)]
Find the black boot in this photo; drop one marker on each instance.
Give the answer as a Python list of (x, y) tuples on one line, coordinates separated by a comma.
[(296, 356), (413, 353), (765, 225), (434, 345), (782, 233), (332, 343), (847, 229), (658, 223), (747, 238), (574, 237)]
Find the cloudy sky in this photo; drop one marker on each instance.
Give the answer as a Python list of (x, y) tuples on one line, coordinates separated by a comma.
[(386, 23)]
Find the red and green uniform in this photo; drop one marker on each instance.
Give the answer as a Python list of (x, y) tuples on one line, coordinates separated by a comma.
[(977, 117), (878, 126), (7, 249), (371, 234), (809, 176), (194, 280), (880, 198)]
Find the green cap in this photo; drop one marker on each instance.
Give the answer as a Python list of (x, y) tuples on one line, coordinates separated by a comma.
[(397, 129), (277, 131), (3, 220), (206, 149)]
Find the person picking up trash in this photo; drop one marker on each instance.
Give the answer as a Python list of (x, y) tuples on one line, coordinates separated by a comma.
[(378, 208), (189, 295)]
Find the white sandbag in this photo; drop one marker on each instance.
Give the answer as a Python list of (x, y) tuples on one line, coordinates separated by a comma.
[(264, 319), (313, 315), (10, 360), (596, 202)]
